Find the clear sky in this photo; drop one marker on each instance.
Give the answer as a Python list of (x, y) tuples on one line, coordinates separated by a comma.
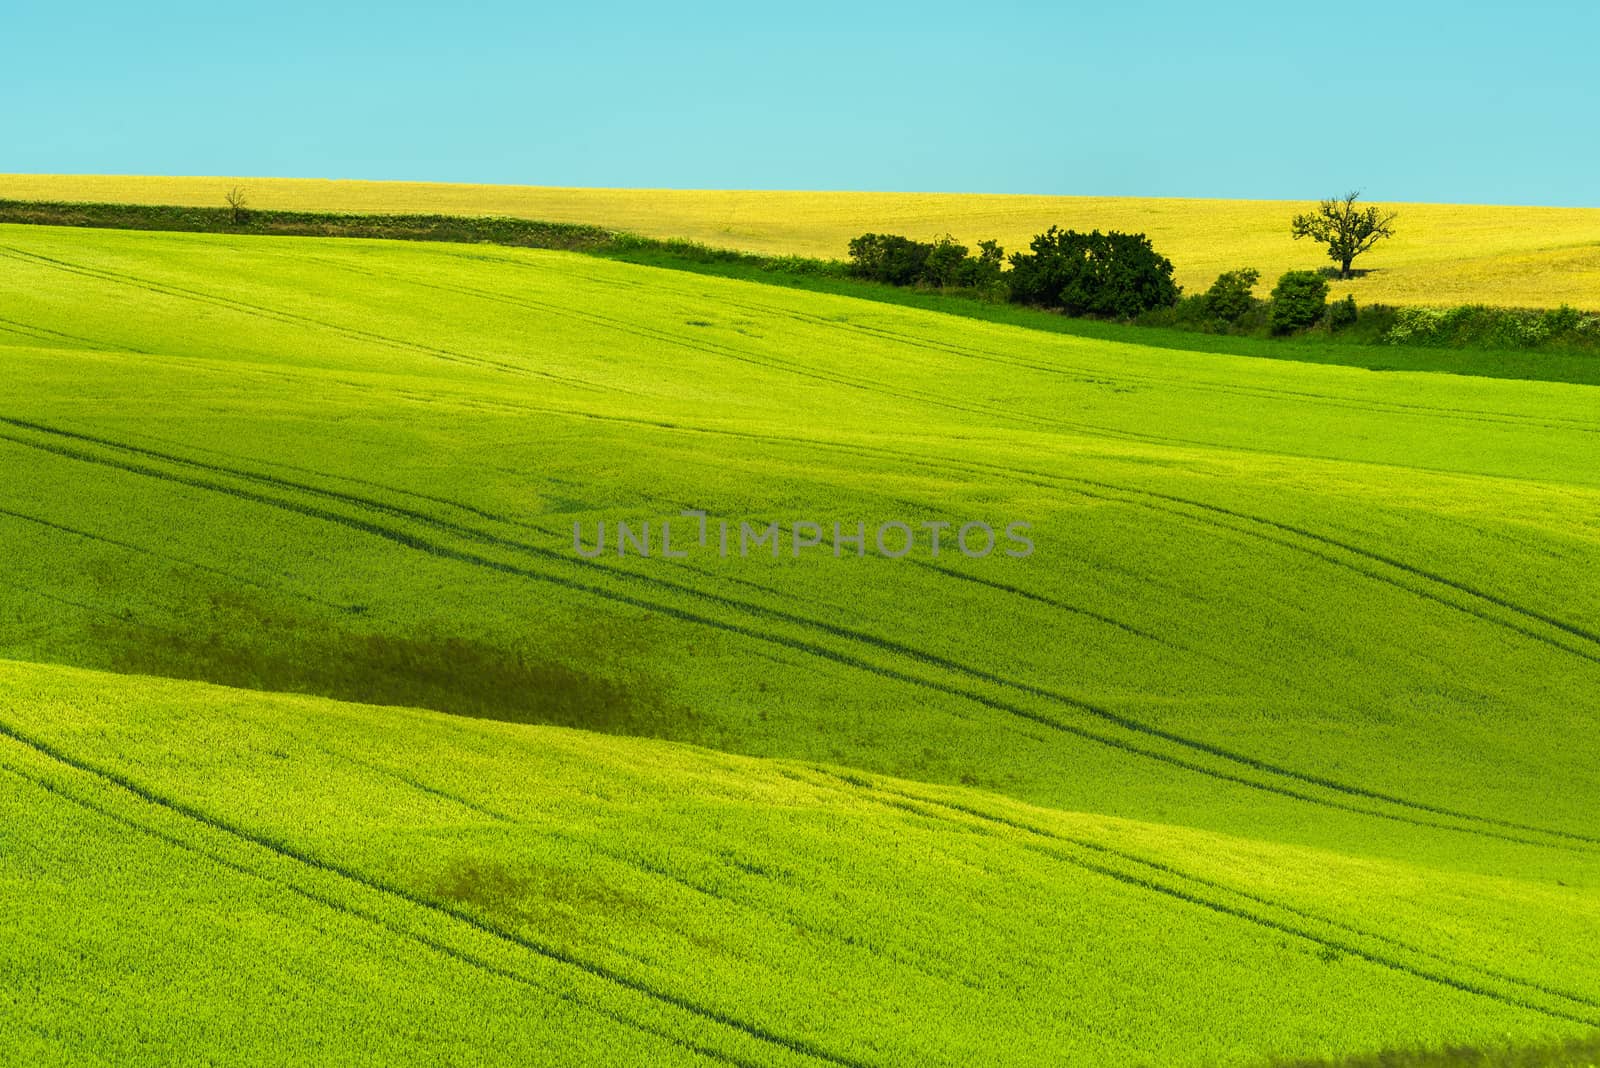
[(1406, 100)]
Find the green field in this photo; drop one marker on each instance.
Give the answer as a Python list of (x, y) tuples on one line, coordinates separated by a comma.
[(1281, 745)]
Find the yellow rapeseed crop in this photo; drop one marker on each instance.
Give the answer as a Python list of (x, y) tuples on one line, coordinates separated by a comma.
[(1443, 254)]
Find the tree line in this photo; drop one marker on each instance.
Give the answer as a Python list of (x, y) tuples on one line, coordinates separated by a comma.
[(1122, 276)]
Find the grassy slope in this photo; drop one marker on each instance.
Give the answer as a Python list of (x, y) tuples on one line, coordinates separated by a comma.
[(1323, 637), (1444, 254), (1543, 365), (237, 865)]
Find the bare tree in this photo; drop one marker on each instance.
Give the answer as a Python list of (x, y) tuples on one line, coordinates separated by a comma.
[(238, 204), (1347, 230)]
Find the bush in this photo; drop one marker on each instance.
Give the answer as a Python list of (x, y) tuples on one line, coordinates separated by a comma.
[(889, 258), (1114, 275), (1231, 296), (1298, 301), (1415, 326), (1343, 313), (942, 266), (982, 271), (1190, 313), (1476, 325), (944, 263)]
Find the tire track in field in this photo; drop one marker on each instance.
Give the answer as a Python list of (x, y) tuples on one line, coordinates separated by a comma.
[(488, 538), (1097, 376), (1062, 606), (1126, 723), (1356, 550), (410, 781), (309, 860), (448, 502), (620, 566), (1046, 479), (789, 916), (648, 333), (719, 350), (181, 561), (1052, 480), (1477, 613), (352, 912), (46, 595), (909, 802), (746, 607), (292, 318), (1058, 480), (824, 652), (40, 333), (1579, 999), (1079, 373)]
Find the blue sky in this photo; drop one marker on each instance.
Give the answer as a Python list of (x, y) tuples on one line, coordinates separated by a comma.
[(1460, 101)]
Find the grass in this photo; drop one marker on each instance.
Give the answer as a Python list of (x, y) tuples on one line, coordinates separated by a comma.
[(541, 892), (1278, 747), (1443, 254)]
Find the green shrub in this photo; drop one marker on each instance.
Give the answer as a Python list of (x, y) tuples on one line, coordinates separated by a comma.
[(1415, 326), (943, 264), (889, 258), (942, 267), (1476, 325), (1498, 328), (1190, 313), (1298, 301), (1344, 313), (1232, 295), (1114, 275), (982, 272)]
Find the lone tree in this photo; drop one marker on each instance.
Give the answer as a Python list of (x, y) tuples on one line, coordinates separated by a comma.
[(237, 204), (1347, 230)]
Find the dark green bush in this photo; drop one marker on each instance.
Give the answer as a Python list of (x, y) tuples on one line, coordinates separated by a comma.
[(1298, 301), (1114, 275), (1190, 313), (1343, 313), (890, 258), (982, 272), (1232, 295), (943, 266)]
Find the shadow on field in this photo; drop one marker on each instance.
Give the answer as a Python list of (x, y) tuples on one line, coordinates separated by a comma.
[(500, 889), (567, 900), (1575, 1053), (231, 640)]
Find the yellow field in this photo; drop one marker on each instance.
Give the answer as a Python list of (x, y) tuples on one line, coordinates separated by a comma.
[(1444, 254)]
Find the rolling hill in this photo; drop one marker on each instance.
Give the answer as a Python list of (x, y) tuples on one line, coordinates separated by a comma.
[(1443, 254), (328, 741)]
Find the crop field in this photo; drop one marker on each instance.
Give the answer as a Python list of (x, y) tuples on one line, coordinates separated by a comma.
[(322, 740), (1442, 255)]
